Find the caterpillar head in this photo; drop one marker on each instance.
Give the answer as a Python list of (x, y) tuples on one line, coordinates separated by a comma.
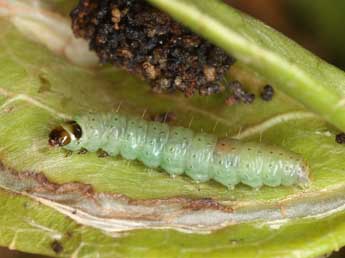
[(65, 134)]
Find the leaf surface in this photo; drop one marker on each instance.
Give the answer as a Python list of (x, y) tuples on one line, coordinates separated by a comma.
[(38, 89)]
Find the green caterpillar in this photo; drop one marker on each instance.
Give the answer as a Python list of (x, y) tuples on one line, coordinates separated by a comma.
[(179, 150)]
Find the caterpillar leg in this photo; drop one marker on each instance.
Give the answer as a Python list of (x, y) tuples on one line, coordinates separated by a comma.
[(230, 187), (82, 151), (68, 153), (102, 153)]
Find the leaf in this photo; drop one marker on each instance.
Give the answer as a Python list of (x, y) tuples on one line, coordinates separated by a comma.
[(43, 203)]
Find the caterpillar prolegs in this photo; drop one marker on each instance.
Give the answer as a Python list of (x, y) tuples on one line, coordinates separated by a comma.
[(179, 150)]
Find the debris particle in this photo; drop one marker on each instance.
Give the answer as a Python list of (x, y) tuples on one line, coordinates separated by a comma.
[(116, 18), (147, 42), (210, 73), (230, 101), (239, 93), (150, 71), (209, 90)]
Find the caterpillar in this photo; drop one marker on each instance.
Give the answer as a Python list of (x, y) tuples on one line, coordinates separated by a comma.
[(179, 150)]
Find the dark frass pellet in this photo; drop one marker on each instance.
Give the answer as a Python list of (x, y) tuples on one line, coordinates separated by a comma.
[(267, 93), (147, 42), (340, 138), (56, 246)]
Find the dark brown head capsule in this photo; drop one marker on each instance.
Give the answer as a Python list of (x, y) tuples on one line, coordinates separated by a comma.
[(63, 134)]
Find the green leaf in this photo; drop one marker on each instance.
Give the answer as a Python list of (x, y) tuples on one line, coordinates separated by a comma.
[(32, 227), (43, 203)]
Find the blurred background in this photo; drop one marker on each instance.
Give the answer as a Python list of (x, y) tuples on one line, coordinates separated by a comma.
[(318, 25)]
